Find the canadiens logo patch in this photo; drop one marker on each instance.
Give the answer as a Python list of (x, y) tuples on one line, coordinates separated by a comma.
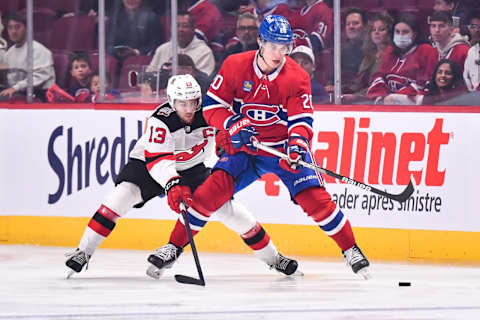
[(261, 115), (247, 86), (165, 111)]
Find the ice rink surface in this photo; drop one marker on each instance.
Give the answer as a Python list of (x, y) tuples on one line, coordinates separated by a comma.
[(33, 286)]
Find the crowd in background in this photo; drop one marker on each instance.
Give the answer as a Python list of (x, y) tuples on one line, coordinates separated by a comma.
[(408, 52)]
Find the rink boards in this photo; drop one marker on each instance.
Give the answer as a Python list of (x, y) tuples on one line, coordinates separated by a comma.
[(57, 165)]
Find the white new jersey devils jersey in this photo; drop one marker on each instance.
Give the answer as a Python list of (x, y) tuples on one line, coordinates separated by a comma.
[(170, 145)]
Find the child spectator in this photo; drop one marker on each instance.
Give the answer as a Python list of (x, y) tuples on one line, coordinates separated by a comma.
[(303, 55), (446, 83), (80, 72), (110, 94)]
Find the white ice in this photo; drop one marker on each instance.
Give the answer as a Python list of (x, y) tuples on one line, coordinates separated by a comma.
[(33, 286)]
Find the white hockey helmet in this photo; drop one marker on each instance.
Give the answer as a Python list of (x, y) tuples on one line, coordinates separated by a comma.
[(183, 87)]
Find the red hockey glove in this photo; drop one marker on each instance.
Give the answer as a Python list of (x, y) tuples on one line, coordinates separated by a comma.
[(176, 193), (223, 143), (297, 149), (241, 132)]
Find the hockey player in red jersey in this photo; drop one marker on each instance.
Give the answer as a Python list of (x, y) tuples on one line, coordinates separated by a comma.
[(169, 159), (265, 95), (406, 66)]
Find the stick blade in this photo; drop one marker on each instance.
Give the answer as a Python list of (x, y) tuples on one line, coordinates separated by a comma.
[(402, 197), (189, 280)]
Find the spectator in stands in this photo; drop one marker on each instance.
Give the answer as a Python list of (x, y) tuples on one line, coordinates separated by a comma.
[(261, 8), (352, 53), (444, 5), (449, 45), (314, 20), (446, 83), (474, 27), (377, 38), (133, 30), (471, 72), (406, 66), (451, 6), (3, 45), (110, 94), (303, 55), (80, 71), (246, 35), (16, 58), (188, 44), (92, 94), (186, 66), (206, 17)]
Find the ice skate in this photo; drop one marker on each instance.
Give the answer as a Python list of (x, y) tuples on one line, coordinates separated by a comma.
[(162, 259), (355, 258), (286, 266), (76, 260)]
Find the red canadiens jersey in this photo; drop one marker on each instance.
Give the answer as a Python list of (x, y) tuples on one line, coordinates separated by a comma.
[(207, 19), (169, 145), (316, 20), (278, 104), (407, 75)]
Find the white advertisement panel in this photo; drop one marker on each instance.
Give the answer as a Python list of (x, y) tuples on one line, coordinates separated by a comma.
[(63, 162)]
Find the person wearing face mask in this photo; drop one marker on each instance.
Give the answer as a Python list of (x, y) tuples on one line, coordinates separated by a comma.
[(446, 83), (406, 66)]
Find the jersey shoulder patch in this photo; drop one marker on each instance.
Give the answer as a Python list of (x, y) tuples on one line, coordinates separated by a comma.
[(164, 111)]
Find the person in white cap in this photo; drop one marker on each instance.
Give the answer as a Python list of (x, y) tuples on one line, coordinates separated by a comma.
[(303, 55)]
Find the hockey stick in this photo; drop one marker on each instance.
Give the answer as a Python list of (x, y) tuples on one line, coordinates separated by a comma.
[(401, 197), (186, 279)]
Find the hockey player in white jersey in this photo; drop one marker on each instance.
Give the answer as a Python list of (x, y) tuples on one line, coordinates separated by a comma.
[(169, 158)]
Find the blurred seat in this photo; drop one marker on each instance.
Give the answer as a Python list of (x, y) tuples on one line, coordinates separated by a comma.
[(364, 4), (63, 6), (43, 19), (7, 6), (61, 61), (404, 5), (74, 33), (425, 4), (132, 63)]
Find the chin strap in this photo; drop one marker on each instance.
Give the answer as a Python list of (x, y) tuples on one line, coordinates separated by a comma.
[(264, 79)]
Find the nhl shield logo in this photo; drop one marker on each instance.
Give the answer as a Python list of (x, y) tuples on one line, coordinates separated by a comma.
[(247, 86)]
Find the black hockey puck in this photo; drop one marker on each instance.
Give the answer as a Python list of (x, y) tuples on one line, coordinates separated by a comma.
[(404, 284)]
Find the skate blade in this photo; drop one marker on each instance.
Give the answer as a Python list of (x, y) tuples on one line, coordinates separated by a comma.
[(69, 274), (297, 273), (364, 273), (154, 272)]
